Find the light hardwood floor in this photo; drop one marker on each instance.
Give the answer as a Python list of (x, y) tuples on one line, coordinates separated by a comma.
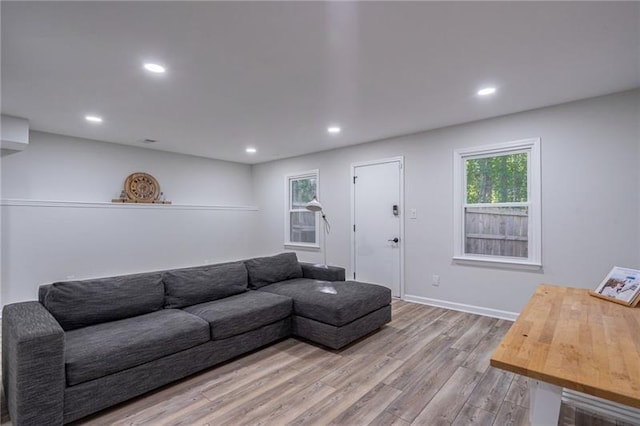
[(429, 366)]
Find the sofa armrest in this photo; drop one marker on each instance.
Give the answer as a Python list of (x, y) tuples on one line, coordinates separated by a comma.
[(32, 364), (322, 272)]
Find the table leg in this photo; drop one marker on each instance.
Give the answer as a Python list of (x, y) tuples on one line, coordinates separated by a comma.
[(544, 403)]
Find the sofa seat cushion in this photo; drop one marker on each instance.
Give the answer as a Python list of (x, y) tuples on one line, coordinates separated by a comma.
[(103, 349), (336, 303), (241, 313)]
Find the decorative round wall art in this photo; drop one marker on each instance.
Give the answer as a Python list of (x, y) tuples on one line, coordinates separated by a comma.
[(141, 187)]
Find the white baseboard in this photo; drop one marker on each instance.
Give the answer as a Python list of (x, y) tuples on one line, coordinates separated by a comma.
[(479, 310)]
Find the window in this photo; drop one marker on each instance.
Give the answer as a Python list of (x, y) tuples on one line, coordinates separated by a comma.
[(301, 225), (497, 203)]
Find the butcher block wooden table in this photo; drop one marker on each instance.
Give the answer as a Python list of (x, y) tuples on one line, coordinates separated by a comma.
[(565, 338)]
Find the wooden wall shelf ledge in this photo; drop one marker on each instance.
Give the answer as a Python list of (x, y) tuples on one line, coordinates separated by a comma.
[(125, 201), (118, 205)]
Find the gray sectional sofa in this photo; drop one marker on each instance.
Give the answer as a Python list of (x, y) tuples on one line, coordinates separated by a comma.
[(87, 345)]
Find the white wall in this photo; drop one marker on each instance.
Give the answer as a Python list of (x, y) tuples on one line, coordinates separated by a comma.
[(590, 205), (78, 236), (56, 167), (14, 134), (590, 200)]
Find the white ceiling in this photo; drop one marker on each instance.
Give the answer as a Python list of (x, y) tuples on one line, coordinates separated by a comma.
[(274, 75)]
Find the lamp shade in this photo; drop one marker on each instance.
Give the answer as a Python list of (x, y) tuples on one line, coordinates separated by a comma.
[(314, 205)]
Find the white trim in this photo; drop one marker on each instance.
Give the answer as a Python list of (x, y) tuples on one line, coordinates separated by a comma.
[(535, 210), (301, 246), (107, 205), (287, 199), (497, 148), (532, 147), (471, 309), (485, 205), (498, 262), (601, 406), (400, 160)]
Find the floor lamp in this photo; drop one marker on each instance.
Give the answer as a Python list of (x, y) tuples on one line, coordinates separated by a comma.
[(315, 206)]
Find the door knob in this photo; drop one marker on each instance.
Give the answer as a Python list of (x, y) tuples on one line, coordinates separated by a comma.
[(395, 240)]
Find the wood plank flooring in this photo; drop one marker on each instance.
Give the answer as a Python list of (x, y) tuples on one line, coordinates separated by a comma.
[(429, 366)]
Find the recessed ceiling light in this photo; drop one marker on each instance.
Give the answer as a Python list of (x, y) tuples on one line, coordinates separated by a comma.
[(334, 130), (251, 150), (486, 91), (158, 69), (93, 118)]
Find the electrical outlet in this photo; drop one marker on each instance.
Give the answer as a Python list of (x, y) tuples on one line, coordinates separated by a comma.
[(435, 280), (413, 214)]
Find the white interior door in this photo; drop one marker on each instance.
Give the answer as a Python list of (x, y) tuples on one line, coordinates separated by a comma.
[(377, 219)]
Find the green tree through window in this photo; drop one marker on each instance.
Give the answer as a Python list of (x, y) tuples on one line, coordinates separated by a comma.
[(498, 179), (303, 191)]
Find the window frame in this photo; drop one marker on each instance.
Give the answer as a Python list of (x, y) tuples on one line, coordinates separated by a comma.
[(532, 148), (315, 173)]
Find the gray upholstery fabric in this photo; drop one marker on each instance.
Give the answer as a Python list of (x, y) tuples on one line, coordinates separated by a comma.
[(102, 349), (42, 292), (78, 304), (92, 396), (268, 270), (338, 337), (243, 312), (32, 364), (322, 272), (186, 287), (335, 303), (120, 343)]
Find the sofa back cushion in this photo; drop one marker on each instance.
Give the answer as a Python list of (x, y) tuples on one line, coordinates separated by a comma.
[(186, 287), (268, 270), (76, 304)]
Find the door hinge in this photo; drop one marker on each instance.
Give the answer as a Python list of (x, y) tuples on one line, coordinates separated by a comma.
[(354, 228), (354, 275), (354, 179)]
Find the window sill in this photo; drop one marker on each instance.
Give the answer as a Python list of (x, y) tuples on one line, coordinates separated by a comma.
[(514, 264), (301, 246)]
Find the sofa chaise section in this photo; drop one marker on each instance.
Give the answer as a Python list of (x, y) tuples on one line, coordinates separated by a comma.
[(326, 308), (336, 313)]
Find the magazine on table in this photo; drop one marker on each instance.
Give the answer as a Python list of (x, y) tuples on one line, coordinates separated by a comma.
[(621, 285)]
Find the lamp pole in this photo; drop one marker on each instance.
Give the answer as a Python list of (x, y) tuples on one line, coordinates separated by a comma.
[(325, 223), (315, 206)]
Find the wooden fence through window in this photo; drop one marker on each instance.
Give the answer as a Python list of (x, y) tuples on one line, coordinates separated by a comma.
[(497, 231)]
